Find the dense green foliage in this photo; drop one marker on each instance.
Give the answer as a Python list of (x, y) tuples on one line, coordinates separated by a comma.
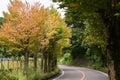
[(102, 33), (95, 41), (87, 29), (66, 59)]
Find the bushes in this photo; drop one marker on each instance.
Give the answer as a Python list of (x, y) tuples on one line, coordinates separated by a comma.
[(16, 73), (96, 57), (66, 59), (31, 75), (4, 75), (40, 75)]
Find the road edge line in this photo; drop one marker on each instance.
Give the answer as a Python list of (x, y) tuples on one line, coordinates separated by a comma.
[(62, 73), (102, 73)]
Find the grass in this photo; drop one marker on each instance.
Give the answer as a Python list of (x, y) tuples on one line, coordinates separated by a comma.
[(17, 71), (33, 75), (12, 64)]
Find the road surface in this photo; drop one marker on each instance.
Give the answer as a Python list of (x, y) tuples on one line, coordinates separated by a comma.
[(79, 73)]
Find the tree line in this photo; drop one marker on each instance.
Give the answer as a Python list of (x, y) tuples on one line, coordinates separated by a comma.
[(34, 30)]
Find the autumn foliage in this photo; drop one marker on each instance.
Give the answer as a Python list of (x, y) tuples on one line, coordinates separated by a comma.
[(30, 29)]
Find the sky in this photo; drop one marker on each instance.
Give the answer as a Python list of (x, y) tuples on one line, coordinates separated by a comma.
[(4, 4)]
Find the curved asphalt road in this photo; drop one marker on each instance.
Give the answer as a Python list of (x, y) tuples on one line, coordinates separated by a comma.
[(79, 73)]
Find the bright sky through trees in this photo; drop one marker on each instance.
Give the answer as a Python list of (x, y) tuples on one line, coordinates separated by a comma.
[(46, 3)]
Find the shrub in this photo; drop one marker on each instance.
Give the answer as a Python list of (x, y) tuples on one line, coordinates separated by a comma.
[(66, 59), (4, 75)]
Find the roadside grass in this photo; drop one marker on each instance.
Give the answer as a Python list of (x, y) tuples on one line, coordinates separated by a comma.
[(33, 75), (13, 70)]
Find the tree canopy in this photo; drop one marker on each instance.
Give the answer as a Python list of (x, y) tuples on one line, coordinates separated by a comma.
[(108, 12), (32, 29)]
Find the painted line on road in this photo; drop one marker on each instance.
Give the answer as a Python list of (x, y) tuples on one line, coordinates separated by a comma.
[(60, 75), (83, 75), (102, 73)]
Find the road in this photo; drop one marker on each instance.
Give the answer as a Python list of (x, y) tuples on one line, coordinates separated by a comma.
[(79, 73)]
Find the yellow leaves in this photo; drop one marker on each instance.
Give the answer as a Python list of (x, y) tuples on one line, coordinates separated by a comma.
[(32, 26), (113, 2), (24, 24), (14, 49)]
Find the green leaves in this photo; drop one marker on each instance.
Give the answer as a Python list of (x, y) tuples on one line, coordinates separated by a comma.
[(118, 10), (2, 21), (94, 30)]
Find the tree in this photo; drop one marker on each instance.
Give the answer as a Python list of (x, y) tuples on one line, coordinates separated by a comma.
[(33, 28), (24, 28), (107, 10), (73, 20), (58, 38), (94, 40)]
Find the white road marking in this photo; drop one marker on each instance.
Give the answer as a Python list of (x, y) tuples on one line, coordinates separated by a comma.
[(60, 75), (102, 73)]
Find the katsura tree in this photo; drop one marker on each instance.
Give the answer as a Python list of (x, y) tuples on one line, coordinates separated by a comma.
[(58, 37), (23, 31), (32, 29), (61, 40)]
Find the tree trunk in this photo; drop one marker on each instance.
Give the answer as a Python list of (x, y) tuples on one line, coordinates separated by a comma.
[(8, 64), (117, 49), (112, 23), (110, 64), (45, 63), (49, 62), (113, 48), (113, 53), (54, 63), (35, 61), (26, 56), (41, 65)]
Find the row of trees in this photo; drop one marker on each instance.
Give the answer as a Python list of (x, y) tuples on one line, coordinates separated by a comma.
[(99, 21), (33, 29)]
